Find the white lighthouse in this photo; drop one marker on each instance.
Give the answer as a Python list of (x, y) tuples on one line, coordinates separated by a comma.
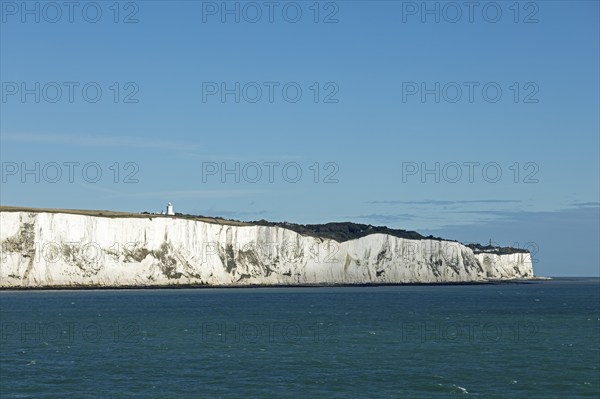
[(170, 209)]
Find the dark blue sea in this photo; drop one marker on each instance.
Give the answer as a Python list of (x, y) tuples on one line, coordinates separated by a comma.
[(529, 340)]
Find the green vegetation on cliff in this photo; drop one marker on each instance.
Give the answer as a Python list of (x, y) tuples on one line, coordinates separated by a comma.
[(338, 231)]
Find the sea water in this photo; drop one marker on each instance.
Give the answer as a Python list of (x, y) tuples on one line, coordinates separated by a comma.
[(538, 339)]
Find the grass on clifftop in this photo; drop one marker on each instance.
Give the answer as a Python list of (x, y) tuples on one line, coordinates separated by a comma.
[(338, 231), (115, 214)]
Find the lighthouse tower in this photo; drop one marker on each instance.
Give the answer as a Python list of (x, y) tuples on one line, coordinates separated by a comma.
[(170, 209)]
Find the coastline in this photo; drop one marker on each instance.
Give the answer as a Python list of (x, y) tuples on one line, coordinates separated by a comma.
[(233, 287)]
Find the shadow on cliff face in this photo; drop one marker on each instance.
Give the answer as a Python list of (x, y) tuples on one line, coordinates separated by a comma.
[(23, 242)]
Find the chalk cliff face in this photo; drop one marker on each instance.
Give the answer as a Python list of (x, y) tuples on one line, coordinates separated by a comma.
[(43, 249)]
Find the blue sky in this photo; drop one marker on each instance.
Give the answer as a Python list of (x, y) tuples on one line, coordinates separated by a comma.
[(362, 103)]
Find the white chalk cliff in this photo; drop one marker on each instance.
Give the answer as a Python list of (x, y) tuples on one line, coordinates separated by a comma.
[(54, 249)]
